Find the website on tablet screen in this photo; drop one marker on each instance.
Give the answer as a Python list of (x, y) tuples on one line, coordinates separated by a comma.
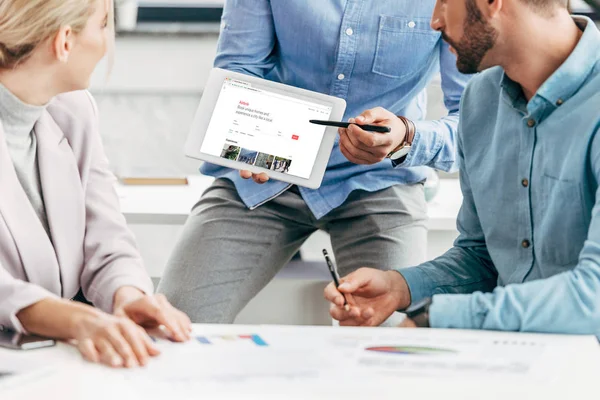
[(269, 130)]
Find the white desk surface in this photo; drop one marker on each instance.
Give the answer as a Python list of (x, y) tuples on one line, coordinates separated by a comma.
[(566, 367), (172, 204)]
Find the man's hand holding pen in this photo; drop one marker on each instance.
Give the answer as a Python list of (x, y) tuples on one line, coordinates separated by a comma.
[(372, 296), (363, 147)]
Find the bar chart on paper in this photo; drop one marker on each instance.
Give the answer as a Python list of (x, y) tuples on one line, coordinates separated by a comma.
[(250, 339), (241, 360), (298, 363)]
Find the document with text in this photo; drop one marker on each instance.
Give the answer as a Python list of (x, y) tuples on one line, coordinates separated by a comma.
[(248, 358)]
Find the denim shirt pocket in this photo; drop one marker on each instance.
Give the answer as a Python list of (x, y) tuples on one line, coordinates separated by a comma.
[(405, 46), (562, 228)]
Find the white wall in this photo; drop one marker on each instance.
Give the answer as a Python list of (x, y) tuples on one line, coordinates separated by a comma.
[(158, 64)]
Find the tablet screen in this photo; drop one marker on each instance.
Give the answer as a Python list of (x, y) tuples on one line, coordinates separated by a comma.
[(270, 130)]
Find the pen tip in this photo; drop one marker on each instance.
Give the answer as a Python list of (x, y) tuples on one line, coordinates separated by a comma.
[(324, 251)]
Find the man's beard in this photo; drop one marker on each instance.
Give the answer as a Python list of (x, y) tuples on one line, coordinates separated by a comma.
[(479, 37)]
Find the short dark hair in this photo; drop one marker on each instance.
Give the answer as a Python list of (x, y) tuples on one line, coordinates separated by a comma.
[(545, 5)]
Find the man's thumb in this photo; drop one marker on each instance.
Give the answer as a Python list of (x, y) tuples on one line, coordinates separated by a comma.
[(347, 286)]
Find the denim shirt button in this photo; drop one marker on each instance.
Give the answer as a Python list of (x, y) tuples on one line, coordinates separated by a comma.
[(525, 244), (531, 123)]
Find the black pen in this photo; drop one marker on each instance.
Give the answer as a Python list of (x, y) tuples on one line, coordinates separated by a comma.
[(335, 276), (369, 128)]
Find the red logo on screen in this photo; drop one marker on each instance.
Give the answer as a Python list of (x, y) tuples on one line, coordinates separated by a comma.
[(295, 137), (244, 103)]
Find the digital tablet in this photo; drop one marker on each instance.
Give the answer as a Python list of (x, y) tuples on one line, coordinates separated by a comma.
[(249, 123)]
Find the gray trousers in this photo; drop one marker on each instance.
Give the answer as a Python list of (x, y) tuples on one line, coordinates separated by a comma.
[(228, 253)]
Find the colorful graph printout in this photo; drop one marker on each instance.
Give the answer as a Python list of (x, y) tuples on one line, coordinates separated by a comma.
[(214, 339)]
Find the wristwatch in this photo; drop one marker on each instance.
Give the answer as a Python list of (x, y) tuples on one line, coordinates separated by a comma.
[(399, 152), (404, 148), (419, 312)]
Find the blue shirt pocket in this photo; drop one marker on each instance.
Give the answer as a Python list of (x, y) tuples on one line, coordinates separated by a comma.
[(562, 226), (405, 46)]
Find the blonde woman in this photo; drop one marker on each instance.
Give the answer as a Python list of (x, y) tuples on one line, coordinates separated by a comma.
[(60, 225)]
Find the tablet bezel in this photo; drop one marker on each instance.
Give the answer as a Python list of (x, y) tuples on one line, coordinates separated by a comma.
[(208, 103)]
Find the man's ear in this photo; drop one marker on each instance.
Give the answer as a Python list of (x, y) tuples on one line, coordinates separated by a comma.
[(62, 44), (491, 8)]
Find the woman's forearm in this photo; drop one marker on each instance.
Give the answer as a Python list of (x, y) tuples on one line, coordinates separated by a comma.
[(58, 318), (55, 318)]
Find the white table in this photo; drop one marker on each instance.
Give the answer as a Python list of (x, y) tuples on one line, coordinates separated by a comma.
[(171, 205), (553, 367)]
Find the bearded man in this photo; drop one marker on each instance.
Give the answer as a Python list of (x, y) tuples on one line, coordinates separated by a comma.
[(528, 254)]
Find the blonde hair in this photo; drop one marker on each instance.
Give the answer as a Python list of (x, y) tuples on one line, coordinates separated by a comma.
[(24, 24)]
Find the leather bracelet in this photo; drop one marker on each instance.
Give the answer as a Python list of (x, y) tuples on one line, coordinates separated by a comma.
[(409, 135), (411, 130)]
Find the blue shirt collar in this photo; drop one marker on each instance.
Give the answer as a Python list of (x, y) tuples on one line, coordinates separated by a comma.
[(567, 79)]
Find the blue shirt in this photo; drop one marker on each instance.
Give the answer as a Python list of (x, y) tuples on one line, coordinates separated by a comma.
[(370, 53), (528, 254)]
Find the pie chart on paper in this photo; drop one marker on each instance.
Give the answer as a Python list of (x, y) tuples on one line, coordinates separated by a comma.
[(410, 350)]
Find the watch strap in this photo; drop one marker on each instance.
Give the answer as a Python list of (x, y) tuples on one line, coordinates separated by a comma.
[(419, 312)]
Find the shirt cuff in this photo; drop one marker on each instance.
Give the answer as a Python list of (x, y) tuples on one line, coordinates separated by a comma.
[(30, 295), (16, 324), (418, 283), (452, 311), (424, 147)]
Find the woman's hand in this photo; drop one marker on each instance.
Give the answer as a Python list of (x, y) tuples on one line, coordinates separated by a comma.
[(100, 337), (151, 312), (112, 340)]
